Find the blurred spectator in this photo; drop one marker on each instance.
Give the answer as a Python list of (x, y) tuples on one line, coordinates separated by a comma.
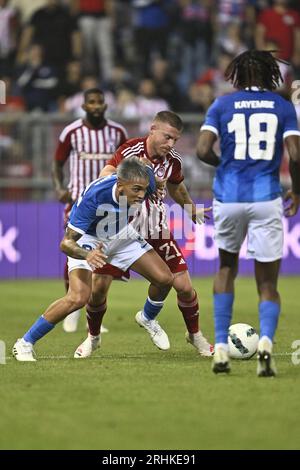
[(282, 25), (27, 8), (12, 154), (231, 41), (38, 82), (123, 33), (125, 102), (165, 84), (286, 71), (9, 29), (120, 78), (230, 11), (214, 76), (200, 97), (13, 101), (56, 30), (70, 84), (95, 23), (151, 23), (146, 105), (196, 32)]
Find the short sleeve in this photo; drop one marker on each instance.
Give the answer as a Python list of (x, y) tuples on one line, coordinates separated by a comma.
[(212, 120), (83, 213)]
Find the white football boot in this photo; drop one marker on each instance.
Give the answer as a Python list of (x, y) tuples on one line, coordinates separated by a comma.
[(157, 334), (89, 345), (221, 363), (70, 323), (200, 343), (265, 363), (23, 351)]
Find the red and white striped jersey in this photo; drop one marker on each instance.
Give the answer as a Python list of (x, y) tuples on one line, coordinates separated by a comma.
[(153, 217), (88, 150)]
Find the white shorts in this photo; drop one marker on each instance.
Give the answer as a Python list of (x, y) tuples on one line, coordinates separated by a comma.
[(261, 222), (121, 252)]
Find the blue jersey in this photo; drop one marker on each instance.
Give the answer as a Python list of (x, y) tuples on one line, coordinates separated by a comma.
[(97, 211), (251, 125)]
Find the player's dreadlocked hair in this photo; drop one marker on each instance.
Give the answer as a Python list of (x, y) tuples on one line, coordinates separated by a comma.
[(255, 68)]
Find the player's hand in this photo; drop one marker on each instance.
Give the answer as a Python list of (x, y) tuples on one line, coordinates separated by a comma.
[(63, 195), (96, 258), (199, 215), (294, 203)]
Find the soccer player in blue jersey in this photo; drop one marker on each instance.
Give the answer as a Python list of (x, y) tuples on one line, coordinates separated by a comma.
[(99, 232), (252, 124)]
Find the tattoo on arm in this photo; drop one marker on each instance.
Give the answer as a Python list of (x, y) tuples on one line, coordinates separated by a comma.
[(69, 245)]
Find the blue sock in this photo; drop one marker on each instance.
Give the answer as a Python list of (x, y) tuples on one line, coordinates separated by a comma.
[(152, 308), (268, 318), (39, 329), (222, 315)]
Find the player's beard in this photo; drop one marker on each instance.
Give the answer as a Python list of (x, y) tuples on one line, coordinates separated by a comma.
[(95, 121)]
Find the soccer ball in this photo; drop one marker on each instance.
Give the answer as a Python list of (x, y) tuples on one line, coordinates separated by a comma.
[(242, 341)]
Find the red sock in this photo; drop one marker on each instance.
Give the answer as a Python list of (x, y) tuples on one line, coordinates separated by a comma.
[(190, 313), (94, 316), (66, 276)]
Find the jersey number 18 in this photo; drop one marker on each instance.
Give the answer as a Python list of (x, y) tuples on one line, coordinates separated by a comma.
[(261, 141)]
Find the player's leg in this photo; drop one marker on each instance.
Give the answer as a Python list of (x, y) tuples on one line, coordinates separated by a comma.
[(95, 310), (187, 301), (76, 297), (265, 245), (151, 267), (223, 304), (70, 323), (230, 223), (266, 275)]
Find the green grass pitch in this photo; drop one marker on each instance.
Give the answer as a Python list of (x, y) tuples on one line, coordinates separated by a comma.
[(132, 396)]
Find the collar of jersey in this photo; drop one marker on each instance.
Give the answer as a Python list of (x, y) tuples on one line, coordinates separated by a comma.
[(254, 88), (114, 196)]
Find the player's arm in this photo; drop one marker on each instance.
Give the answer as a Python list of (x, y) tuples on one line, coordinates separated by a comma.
[(293, 147), (62, 193), (61, 155), (95, 258), (25, 41), (180, 194), (108, 170), (204, 149)]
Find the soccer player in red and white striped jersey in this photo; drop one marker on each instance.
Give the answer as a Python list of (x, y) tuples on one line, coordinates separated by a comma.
[(87, 144), (158, 148)]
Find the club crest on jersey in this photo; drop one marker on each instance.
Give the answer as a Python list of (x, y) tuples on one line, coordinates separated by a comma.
[(160, 171)]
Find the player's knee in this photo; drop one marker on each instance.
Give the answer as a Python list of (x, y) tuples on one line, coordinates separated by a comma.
[(78, 299), (165, 280), (268, 291), (228, 271)]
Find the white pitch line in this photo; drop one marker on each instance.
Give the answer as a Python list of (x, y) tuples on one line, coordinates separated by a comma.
[(125, 356)]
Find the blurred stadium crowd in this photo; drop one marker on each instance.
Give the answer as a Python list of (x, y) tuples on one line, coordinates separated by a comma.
[(147, 55)]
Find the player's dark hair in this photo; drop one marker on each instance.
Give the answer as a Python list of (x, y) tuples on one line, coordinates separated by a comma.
[(132, 169), (90, 91), (170, 118), (255, 68)]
